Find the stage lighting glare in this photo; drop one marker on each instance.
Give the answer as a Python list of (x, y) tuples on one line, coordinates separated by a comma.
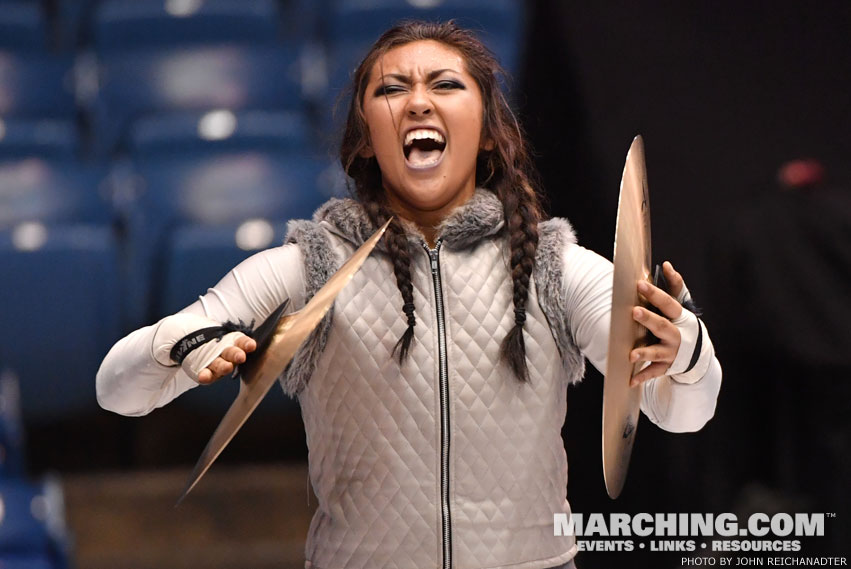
[(254, 234), (217, 125), (29, 236)]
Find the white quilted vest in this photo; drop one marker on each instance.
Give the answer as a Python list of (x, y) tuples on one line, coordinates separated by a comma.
[(418, 468)]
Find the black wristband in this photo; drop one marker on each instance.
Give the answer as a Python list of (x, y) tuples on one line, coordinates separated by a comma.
[(198, 338), (195, 340)]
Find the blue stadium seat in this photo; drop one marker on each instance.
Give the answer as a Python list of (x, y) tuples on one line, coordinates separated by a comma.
[(34, 85), (23, 527), (23, 26), (33, 532), (197, 256), (217, 190), (20, 529), (46, 138), (50, 192), (122, 25), (229, 188), (62, 297), (193, 133), (144, 84)]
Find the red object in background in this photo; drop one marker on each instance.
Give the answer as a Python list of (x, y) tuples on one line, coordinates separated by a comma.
[(798, 174)]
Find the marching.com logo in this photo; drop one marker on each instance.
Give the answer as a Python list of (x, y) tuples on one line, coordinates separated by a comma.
[(684, 531), (688, 525)]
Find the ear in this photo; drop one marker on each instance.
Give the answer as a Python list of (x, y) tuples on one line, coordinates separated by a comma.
[(366, 151), (487, 144)]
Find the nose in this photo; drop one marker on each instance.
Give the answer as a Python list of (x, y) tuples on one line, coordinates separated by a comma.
[(419, 103)]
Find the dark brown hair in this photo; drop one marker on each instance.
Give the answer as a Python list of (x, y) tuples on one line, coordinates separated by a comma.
[(506, 170)]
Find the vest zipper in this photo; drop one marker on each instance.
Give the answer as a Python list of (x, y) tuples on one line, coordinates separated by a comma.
[(444, 405)]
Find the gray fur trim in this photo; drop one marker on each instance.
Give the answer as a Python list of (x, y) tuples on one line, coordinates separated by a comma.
[(554, 235), (347, 218), (480, 217), (320, 264)]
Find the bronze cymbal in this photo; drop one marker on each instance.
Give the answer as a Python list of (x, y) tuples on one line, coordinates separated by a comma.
[(632, 263)]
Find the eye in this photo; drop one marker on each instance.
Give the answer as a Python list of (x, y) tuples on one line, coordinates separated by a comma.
[(448, 84), (384, 90)]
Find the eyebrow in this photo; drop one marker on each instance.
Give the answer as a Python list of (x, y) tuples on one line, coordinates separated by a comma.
[(407, 80)]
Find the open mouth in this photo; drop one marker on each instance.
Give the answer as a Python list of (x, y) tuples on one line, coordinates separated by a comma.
[(423, 147)]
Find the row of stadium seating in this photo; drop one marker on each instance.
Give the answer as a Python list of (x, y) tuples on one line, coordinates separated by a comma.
[(148, 57), (66, 25)]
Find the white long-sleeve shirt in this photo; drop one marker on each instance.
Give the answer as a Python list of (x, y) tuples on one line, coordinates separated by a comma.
[(137, 376)]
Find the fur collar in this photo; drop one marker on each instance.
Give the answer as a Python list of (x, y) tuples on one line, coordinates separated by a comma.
[(478, 218)]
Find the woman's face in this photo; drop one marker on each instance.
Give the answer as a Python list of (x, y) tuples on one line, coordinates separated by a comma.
[(423, 111)]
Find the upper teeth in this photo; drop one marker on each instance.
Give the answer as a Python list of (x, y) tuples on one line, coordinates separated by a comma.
[(423, 133)]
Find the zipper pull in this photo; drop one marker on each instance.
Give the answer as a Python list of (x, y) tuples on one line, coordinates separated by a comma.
[(432, 254)]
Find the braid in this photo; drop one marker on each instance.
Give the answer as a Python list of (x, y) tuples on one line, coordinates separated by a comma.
[(397, 243), (522, 219)]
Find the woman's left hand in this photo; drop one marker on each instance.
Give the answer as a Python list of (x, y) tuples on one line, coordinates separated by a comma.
[(660, 355)]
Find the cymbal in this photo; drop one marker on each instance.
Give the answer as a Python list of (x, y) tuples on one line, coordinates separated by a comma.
[(269, 360), (632, 262)]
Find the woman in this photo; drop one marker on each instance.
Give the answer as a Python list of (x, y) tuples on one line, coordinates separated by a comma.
[(434, 434)]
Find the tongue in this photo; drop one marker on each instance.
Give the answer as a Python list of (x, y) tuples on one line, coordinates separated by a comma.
[(420, 157)]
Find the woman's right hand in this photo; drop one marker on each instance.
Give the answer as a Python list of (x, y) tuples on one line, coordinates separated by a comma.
[(231, 357)]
